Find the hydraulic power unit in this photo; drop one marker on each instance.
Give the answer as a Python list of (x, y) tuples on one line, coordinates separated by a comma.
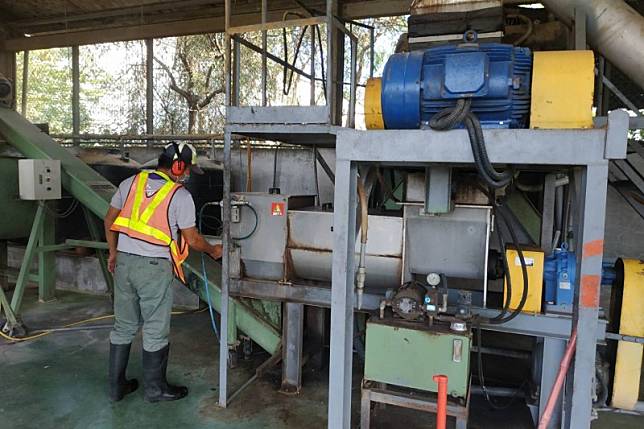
[(408, 354)]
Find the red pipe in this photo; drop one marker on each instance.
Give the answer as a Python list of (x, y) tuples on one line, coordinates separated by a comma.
[(441, 406), (556, 388)]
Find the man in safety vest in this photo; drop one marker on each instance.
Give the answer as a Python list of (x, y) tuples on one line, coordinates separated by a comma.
[(149, 226)]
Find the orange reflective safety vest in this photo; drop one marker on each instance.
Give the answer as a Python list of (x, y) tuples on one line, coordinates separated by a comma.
[(146, 218)]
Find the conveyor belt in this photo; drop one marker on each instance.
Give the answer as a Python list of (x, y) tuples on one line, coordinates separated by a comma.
[(95, 192)]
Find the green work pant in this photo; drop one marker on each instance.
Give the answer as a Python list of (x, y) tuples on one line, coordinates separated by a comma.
[(142, 296)]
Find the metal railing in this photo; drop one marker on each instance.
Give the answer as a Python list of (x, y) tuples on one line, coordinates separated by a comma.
[(235, 40)]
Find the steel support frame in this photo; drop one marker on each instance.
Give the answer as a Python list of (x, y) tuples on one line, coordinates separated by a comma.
[(47, 260), (587, 150), (293, 337), (380, 395)]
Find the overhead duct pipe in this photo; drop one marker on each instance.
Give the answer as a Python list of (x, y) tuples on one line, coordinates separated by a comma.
[(614, 29)]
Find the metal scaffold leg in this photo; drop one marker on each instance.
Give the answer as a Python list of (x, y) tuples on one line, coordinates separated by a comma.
[(591, 184), (341, 360), (293, 335), (225, 276)]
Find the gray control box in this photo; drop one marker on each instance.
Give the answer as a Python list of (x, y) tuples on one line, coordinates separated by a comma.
[(39, 179)]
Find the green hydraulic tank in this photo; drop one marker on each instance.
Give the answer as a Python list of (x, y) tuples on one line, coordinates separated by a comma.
[(408, 354)]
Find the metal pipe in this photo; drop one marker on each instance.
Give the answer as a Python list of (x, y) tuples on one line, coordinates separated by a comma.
[(312, 83), (614, 29), (75, 90), (351, 120), (441, 405), (25, 83), (508, 392), (149, 86), (503, 352), (122, 137), (264, 49), (364, 227), (556, 388)]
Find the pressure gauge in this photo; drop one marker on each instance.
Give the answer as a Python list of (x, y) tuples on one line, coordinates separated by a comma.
[(433, 279)]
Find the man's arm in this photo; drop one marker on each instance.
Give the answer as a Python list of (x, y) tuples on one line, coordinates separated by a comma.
[(111, 236), (197, 242)]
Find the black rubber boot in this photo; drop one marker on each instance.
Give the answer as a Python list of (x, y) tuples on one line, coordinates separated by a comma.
[(119, 385), (155, 384)]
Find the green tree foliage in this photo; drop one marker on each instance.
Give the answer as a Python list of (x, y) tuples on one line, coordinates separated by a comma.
[(49, 88), (189, 79)]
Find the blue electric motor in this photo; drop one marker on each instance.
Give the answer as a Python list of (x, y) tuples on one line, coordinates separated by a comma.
[(416, 85), (559, 271)]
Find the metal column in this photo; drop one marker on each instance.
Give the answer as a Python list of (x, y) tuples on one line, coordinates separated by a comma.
[(341, 358), (548, 213), (592, 182), (75, 91), (553, 352), (47, 260), (149, 86), (225, 271), (225, 215), (293, 336), (25, 83)]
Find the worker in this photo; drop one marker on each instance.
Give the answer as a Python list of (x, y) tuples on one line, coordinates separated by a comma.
[(149, 226)]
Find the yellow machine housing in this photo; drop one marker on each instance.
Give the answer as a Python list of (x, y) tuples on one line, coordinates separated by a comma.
[(534, 262), (628, 363), (563, 83), (373, 105)]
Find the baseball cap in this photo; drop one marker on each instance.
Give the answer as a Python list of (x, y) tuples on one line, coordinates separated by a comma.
[(185, 152)]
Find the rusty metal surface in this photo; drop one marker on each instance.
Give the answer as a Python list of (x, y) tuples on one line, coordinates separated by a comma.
[(310, 247), (421, 7)]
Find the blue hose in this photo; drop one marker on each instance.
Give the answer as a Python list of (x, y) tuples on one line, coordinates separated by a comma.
[(205, 278)]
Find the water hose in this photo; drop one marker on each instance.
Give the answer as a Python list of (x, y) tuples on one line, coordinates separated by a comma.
[(205, 276)]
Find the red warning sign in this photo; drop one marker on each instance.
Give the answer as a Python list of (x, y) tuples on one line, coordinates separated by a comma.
[(277, 209)]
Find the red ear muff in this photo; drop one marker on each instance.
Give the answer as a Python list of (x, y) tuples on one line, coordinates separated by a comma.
[(178, 167)]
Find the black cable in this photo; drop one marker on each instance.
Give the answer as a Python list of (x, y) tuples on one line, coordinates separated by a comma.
[(287, 80), (524, 272), (275, 169), (506, 273), (452, 117), (254, 226), (473, 126), (315, 174), (317, 28)]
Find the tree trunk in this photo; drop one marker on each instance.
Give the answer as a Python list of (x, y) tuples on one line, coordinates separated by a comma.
[(192, 119)]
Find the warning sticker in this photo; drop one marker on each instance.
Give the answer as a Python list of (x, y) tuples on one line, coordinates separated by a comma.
[(529, 262), (277, 209)]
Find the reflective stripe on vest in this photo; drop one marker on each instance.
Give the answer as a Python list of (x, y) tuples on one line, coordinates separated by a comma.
[(152, 225)]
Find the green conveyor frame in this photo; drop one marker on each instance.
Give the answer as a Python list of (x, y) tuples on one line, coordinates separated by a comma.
[(95, 192)]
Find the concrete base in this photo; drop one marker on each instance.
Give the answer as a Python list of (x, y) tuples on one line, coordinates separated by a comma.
[(83, 274)]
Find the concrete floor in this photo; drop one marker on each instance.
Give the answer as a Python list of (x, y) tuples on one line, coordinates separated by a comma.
[(60, 381)]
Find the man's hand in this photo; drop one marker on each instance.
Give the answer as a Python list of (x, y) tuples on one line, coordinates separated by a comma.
[(216, 251), (111, 262)]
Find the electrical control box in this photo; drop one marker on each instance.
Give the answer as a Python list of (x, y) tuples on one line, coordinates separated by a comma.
[(39, 179)]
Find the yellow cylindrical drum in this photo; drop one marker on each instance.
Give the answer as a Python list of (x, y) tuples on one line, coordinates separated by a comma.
[(373, 105)]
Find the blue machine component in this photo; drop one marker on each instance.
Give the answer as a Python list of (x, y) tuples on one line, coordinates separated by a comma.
[(559, 273), (416, 85)]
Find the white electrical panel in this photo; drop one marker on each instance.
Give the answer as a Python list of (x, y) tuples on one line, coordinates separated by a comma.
[(39, 179)]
